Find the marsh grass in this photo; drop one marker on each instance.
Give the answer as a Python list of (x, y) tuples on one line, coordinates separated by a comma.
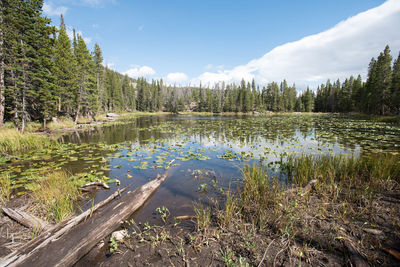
[(344, 192), (12, 141), (58, 194), (5, 188), (203, 214)]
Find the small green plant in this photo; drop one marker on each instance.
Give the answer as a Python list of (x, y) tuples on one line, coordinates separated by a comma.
[(164, 213), (202, 188), (113, 245), (203, 215), (227, 257)]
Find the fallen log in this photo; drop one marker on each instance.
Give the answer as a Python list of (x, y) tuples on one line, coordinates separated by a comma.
[(101, 184), (66, 246), (44, 238), (27, 219)]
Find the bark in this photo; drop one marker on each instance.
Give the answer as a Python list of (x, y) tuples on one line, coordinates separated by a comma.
[(2, 84), (26, 219)]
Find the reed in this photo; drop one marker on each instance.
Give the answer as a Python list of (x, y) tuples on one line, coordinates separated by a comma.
[(12, 141), (58, 194), (5, 188)]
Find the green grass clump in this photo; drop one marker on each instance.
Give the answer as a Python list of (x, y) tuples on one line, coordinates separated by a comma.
[(342, 170), (58, 194), (12, 141), (5, 188), (264, 201), (203, 214)]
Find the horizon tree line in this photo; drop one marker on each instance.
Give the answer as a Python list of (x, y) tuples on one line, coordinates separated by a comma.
[(44, 74)]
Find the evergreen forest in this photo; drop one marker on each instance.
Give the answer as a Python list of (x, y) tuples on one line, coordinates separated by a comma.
[(44, 74)]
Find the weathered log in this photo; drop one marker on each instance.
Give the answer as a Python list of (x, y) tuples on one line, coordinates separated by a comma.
[(67, 248), (44, 238), (102, 184), (27, 219)]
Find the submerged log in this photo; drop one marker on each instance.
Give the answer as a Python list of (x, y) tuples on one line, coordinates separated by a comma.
[(67, 247)]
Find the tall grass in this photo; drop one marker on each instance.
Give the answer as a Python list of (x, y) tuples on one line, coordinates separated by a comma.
[(13, 141), (58, 194), (263, 199), (203, 214), (5, 188), (343, 170)]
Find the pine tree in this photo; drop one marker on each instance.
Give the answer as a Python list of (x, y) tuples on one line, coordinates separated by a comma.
[(395, 88), (86, 98), (65, 70), (384, 81), (97, 60)]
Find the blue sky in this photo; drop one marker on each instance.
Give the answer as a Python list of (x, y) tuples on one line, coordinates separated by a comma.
[(187, 41)]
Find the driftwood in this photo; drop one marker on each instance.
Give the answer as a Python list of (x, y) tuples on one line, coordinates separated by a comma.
[(66, 246), (304, 191), (89, 187), (186, 217), (27, 219), (54, 232)]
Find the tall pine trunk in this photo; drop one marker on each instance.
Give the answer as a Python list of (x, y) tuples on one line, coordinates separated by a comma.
[(2, 85)]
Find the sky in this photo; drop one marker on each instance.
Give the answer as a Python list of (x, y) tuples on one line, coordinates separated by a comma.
[(209, 41)]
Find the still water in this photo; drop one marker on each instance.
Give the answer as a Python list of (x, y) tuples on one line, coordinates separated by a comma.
[(208, 152)]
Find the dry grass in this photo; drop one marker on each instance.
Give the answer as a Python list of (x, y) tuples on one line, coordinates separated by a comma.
[(5, 188), (12, 141), (57, 193)]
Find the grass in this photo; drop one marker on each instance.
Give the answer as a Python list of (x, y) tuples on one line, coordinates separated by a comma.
[(12, 141), (5, 188), (203, 214), (343, 199), (57, 194)]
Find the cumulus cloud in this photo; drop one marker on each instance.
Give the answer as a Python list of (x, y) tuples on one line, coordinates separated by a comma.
[(176, 77), (50, 10), (139, 71), (339, 52)]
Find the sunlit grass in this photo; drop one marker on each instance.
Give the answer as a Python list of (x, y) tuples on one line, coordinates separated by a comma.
[(12, 141), (5, 188), (58, 194)]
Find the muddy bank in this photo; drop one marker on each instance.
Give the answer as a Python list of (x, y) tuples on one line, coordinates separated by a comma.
[(362, 235)]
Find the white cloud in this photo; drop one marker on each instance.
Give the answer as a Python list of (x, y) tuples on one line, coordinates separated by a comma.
[(208, 66), (49, 10), (139, 71), (176, 77), (339, 52), (70, 33)]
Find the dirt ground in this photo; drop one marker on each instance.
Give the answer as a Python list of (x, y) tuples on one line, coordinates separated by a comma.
[(372, 238)]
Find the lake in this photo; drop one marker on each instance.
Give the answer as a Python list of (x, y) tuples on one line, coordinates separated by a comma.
[(208, 152)]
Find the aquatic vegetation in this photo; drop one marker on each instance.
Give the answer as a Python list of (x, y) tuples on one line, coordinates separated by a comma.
[(57, 193), (139, 147)]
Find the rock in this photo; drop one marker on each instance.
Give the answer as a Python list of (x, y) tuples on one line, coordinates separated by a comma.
[(119, 235), (112, 115)]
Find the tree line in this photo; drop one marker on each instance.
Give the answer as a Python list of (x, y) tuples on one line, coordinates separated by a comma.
[(43, 74)]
